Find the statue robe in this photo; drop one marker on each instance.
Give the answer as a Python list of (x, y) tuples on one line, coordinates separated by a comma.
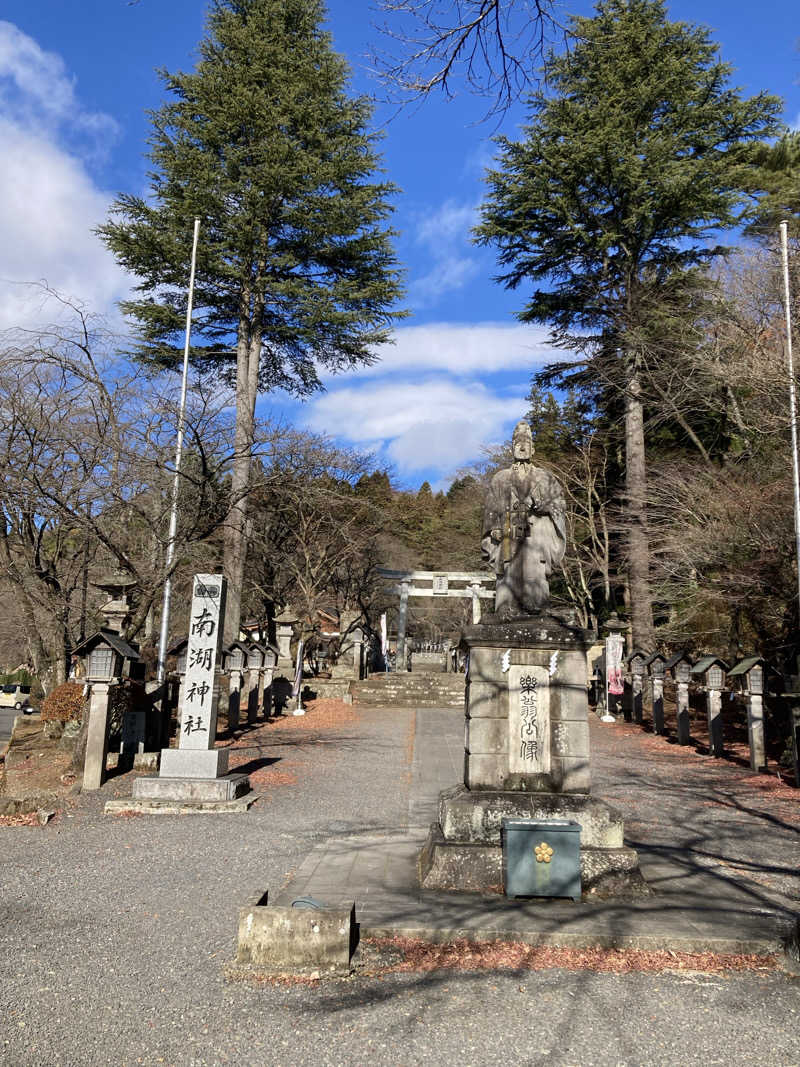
[(533, 500)]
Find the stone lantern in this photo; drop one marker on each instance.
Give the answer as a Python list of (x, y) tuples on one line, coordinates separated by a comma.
[(108, 659), (636, 665), (656, 667), (116, 609), (284, 630), (267, 675), (680, 667), (749, 674), (710, 671), (254, 662), (234, 660)]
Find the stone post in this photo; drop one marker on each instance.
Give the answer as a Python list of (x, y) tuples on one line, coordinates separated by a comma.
[(682, 712), (259, 704), (658, 705), (636, 685), (400, 660), (714, 707), (627, 699), (795, 713), (253, 694), (476, 603), (94, 767), (234, 698), (755, 731), (267, 693)]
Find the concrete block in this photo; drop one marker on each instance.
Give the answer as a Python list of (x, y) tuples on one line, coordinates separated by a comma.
[(297, 940), (572, 774), (475, 868), (570, 738), (477, 817), (194, 762), (485, 699), (485, 772), (197, 790), (487, 736)]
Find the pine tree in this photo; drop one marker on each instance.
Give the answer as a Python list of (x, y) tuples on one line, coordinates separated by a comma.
[(295, 270), (635, 155)]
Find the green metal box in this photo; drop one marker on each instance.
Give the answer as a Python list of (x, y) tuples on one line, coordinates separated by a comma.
[(541, 858)]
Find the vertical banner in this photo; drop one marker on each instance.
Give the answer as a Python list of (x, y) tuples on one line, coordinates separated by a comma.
[(615, 686), (298, 673), (199, 716), (384, 643)]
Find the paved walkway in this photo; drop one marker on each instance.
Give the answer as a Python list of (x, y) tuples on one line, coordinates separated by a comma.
[(719, 847), (116, 930)]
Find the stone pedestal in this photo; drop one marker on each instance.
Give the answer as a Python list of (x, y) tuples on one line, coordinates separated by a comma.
[(526, 757)]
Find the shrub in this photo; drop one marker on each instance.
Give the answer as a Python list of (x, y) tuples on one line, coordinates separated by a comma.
[(65, 702)]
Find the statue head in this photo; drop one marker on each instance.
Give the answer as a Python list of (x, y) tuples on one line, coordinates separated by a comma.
[(522, 441)]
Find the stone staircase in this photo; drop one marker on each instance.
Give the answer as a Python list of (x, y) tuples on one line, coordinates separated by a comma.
[(410, 690)]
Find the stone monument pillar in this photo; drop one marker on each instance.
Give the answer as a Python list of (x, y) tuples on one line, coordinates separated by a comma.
[(196, 771), (527, 734)]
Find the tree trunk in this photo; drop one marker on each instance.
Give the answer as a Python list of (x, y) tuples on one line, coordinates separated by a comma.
[(636, 516), (248, 357), (235, 540)]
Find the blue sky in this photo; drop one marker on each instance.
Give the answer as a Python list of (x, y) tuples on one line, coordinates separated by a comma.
[(75, 82)]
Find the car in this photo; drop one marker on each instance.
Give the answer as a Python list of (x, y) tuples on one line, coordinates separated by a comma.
[(16, 696)]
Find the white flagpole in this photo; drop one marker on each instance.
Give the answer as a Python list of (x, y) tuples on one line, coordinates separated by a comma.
[(792, 393), (298, 682), (173, 518)]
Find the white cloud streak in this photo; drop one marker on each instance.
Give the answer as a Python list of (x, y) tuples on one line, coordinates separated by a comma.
[(459, 348), (49, 202), (426, 424)]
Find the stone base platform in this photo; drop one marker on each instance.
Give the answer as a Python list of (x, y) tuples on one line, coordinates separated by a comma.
[(240, 806), (195, 790), (463, 850)]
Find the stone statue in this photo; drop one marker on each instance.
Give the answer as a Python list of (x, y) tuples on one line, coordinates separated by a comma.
[(524, 535)]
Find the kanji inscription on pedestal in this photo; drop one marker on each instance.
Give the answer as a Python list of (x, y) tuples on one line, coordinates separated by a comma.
[(528, 720), (199, 718)]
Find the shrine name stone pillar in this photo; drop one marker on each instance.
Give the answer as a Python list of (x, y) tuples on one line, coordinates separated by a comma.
[(196, 771)]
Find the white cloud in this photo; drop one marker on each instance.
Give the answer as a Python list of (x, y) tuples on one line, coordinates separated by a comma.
[(49, 202), (429, 424), (34, 84), (448, 274), (451, 223), (446, 234), (462, 348)]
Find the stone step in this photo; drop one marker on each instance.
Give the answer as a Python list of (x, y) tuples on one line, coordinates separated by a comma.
[(411, 690)]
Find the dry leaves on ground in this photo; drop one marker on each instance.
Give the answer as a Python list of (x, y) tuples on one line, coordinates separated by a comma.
[(465, 955)]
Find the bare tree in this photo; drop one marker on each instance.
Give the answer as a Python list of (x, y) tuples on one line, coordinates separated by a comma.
[(86, 453), (494, 46), (314, 538)]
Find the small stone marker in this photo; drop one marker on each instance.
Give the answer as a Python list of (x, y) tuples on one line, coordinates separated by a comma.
[(296, 940)]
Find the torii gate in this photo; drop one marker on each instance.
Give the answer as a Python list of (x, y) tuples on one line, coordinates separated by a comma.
[(478, 586)]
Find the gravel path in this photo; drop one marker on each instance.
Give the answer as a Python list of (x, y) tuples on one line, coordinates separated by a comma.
[(116, 930)]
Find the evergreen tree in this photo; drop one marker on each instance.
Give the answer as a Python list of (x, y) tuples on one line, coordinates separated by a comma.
[(295, 269), (635, 155)]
